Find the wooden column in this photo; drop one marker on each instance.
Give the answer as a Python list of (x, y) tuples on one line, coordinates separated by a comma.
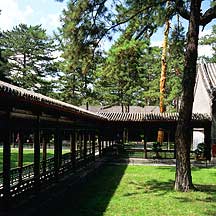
[(85, 146), (60, 147), (102, 145), (93, 144), (80, 145), (56, 150), (20, 136), (207, 141), (123, 137), (6, 137), (99, 145), (73, 138), (145, 147), (89, 143), (37, 152), (45, 141)]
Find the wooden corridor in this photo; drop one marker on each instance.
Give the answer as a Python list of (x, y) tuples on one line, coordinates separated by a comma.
[(23, 112)]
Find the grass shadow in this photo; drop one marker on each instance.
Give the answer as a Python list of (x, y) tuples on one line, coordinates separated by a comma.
[(90, 197)]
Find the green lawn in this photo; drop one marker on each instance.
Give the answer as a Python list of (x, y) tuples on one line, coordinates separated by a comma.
[(28, 156), (139, 191)]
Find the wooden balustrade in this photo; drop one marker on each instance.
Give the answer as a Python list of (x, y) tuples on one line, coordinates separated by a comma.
[(23, 178)]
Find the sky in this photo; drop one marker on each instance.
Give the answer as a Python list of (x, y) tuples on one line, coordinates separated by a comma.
[(47, 13)]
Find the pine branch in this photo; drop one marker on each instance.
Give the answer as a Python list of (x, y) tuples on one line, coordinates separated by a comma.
[(208, 16), (181, 9), (128, 19)]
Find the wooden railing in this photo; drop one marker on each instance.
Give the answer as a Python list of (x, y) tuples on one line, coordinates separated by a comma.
[(23, 179)]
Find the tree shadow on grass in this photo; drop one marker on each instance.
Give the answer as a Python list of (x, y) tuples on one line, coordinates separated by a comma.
[(90, 198), (152, 186)]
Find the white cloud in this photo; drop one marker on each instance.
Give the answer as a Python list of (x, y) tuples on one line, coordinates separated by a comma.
[(157, 43), (12, 15), (51, 20)]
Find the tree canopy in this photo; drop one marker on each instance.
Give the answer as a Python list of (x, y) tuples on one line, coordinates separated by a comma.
[(27, 57)]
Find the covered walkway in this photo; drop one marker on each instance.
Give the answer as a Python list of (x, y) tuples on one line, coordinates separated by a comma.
[(25, 114)]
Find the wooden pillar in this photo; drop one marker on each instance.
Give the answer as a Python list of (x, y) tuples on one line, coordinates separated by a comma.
[(93, 145), (20, 140), (56, 150), (90, 143), (80, 145), (124, 136), (73, 138), (85, 145), (145, 147), (207, 141), (37, 152), (6, 137), (99, 145), (45, 141), (60, 148)]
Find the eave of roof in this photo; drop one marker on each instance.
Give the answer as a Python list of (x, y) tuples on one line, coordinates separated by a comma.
[(31, 96), (150, 117)]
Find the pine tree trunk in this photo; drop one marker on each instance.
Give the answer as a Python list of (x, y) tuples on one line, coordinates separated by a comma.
[(160, 136), (164, 67), (183, 180)]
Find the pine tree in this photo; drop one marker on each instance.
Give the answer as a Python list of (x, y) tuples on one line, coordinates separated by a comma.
[(121, 78), (28, 52)]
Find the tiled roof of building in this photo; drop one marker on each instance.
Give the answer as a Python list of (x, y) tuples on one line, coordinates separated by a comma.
[(207, 71), (141, 117)]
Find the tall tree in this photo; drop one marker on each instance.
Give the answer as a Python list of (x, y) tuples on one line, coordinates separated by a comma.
[(183, 180), (128, 71), (29, 52)]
